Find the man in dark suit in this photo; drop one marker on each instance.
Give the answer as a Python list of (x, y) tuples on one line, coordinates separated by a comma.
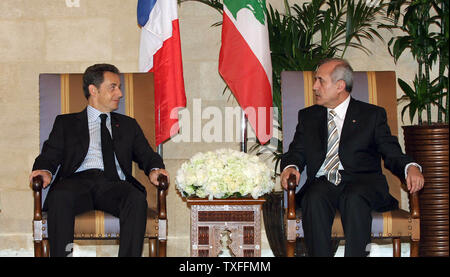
[(341, 141), (95, 169)]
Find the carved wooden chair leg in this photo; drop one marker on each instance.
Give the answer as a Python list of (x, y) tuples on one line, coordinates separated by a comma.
[(45, 248), (152, 242), (162, 215), (291, 217), (396, 247), (290, 248), (38, 248), (162, 248), (39, 243), (414, 248)]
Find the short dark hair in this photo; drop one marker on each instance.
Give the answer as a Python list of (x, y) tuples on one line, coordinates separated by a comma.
[(94, 76), (342, 71)]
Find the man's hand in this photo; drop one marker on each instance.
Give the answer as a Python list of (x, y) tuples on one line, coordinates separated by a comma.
[(285, 175), (153, 176), (414, 179), (46, 176)]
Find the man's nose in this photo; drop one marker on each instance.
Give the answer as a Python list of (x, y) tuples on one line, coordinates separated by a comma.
[(315, 85)]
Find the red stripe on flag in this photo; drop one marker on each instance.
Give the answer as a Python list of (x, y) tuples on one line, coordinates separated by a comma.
[(247, 79), (169, 85)]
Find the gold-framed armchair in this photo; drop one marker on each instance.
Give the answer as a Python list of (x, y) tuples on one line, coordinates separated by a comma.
[(376, 87), (396, 224), (62, 93)]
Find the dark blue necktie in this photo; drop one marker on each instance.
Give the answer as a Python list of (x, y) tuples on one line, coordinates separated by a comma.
[(109, 162)]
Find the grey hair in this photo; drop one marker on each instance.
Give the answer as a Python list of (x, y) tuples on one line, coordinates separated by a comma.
[(342, 71)]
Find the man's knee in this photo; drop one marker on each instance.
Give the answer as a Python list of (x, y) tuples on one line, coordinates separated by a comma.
[(355, 197), (312, 198), (137, 199), (59, 198), (316, 195)]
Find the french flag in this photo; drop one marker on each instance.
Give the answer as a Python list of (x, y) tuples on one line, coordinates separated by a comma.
[(160, 53)]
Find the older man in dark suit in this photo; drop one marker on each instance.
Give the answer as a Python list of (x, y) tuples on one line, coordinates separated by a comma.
[(341, 141), (94, 150)]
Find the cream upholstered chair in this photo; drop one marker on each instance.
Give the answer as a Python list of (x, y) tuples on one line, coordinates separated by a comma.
[(378, 88), (62, 93)]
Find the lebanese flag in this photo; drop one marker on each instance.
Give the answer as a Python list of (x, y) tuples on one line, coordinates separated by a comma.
[(245, 64), (160, 53)]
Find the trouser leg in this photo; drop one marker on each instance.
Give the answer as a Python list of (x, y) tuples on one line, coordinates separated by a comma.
[(133, 219), (126, 202), (90, 190), (319, 203), (356, 220), (66, 199)]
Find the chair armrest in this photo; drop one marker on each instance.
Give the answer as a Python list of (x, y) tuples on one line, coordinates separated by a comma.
[(414, 205), (292, 184), (413, 198), (163, 185), (36, 185)]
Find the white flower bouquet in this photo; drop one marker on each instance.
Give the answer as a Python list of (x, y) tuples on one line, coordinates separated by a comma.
[(224, 173)]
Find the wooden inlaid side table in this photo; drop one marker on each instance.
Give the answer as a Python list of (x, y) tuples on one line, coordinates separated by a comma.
[(210, 219)]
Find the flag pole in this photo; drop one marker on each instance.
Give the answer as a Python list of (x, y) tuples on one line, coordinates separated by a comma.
[(243, 132), (159, 148)]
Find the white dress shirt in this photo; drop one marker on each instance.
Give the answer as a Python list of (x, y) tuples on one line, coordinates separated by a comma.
[(94, 156), (341, 111)]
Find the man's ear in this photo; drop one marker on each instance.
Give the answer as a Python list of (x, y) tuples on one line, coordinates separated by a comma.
[(341, 85), (93, 90)]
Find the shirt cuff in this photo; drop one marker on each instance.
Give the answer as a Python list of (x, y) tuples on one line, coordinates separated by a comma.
[(410, 164), (291, 165), (51, 175)]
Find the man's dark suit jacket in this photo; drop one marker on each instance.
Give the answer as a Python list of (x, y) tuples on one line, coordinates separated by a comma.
[(68, 144), (365, 139)]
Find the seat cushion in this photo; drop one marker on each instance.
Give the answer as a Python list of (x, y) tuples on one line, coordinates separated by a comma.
[(396, 223), (101, 225)]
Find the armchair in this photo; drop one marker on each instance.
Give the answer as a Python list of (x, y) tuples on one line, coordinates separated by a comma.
[(378, 88), (62, 93), (395, 224)]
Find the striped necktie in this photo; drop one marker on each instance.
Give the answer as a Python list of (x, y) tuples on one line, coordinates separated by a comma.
[(332, 157)]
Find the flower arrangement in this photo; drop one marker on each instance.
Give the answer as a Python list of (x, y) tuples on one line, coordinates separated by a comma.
[(224, 173)]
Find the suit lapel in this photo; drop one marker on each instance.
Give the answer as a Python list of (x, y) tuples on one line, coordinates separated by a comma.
[(81, 131), (318, 133), (82, 128), (323, 131), (350, 121), (116, 130)]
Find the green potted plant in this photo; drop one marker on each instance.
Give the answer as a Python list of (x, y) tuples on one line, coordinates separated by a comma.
[(423, 27)]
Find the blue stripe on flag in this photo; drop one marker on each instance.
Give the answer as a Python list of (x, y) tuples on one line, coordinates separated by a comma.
[(144, 7)]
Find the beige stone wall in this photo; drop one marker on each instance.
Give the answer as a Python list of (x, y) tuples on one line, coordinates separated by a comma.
[(47, 36)]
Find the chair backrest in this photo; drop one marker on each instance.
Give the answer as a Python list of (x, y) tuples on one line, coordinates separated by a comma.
[(63, 93), (375, 87)]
